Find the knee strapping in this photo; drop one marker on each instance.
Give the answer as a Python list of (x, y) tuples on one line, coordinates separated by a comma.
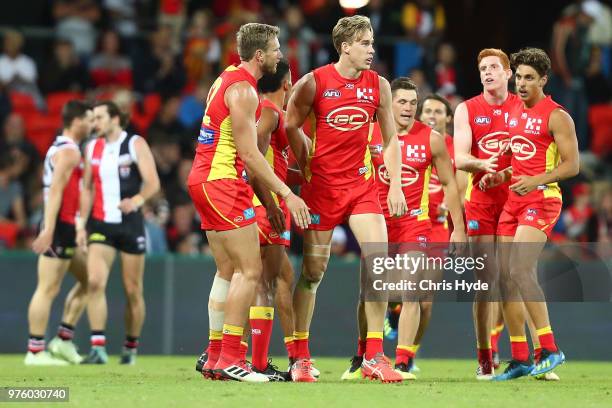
[(218, 294), (307, 284)]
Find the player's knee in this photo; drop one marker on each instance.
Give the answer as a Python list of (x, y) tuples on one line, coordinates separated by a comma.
[(50, 290), (309, 282), (96, 285), (133, 292)]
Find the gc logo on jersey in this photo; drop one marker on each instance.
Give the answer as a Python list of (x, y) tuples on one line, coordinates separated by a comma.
[(492, 144), (347, 118), (522, 148), (409, 175)]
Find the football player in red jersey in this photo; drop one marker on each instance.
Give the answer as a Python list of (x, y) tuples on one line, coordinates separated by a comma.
[(56, 243), (226, 144), (480, 139), (342, 100), (544, 152), (422, 149)]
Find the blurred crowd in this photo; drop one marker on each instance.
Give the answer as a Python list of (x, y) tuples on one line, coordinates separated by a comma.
[(158, 66)]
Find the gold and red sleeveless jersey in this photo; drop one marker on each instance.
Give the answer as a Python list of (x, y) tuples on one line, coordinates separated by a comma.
[(534, 150), (216, 156), (277, 154), (415, 147), (436, 193), (489, 136), (343, 109)]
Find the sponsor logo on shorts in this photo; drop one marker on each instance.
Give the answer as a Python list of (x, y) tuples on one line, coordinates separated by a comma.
[(363, 170), (347, 118), (69, 251), (331, 93), (473, 225), (482, 120), (531, 211), (249, 213), (414, 213), (256, 331), (315, 219), (286, 235), (207, 136), (529, 218), (141, 242), (239, 218), (97, 237), (273, 234), (522, 148)]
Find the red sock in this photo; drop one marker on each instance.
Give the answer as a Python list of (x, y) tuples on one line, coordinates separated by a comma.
[(547, 339), (537, 353), (485, 354), (403, 354), (519, 348), (301, 345), (261, 319), (290, 345), (230, 345), (374, 344), (244, 349), (494, 342), (361, 347)]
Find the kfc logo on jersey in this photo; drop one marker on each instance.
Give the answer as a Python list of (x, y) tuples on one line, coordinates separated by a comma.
[(416, 152), (331, 93), (493, 143), (347, 118), (365, 94), (482, 120), (522, 148), (497, 112), (533, 126), (409, 175)]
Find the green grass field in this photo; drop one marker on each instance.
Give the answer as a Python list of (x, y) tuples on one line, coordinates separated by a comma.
[(172, 382)]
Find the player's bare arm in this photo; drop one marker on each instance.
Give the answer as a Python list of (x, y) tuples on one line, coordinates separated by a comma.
[(64, 163), (562, 128), (444, 168), (392, 156), (150, 179), (463, 145), (268, 123), (298, 108), (242, 102)]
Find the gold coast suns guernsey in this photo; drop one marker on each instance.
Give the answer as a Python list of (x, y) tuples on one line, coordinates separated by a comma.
[(216, 156), (415, 147), (489, 137), (534, 150), (277, 154), (343, 109)]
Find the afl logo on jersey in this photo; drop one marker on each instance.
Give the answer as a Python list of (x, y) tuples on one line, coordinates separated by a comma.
[(409, 175), (493, 143), (331, 93), (522, 148), (482, 120), (347, 118)]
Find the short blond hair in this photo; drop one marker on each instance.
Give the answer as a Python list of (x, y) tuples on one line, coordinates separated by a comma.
[(348, 28), (252, 37)]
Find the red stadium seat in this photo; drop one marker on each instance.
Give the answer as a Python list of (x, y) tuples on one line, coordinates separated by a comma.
[(41, 130), (22, 103), (600, 120), (57, 100)]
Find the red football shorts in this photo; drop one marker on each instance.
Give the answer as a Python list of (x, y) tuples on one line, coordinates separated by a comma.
[(542, 214), (223, 204), (482, 219), (439, 232), (267, 235), (332, 206)]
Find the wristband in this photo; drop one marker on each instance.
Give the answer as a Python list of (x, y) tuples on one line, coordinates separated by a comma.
[(284, 192), (138, 200)]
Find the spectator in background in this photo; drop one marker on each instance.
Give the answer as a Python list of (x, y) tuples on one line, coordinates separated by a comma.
[(64, 72), (75, 20), (192, 108), (424, 21), (202, 49), (109, 68), (604, 218), (297, 42), (12, 207), (26, 157), (571, 53), (17, 70), (122, 14), (167, 125), (167, 154), (579, 215), (155, 214), (172, 14), (158, 69), (418, 77)]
